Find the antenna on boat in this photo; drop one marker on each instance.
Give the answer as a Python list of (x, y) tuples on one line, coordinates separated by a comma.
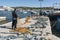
[(56, 7)]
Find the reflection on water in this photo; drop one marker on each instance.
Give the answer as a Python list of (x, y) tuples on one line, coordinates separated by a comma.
[(8, 14)]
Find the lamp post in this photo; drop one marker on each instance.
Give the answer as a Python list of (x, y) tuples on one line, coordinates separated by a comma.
[(40, 6), (40, 2)]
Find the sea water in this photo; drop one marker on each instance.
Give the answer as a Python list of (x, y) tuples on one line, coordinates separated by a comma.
[(58, 24), (8, 15)]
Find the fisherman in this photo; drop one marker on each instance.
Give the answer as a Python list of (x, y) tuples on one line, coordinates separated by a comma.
[(14, 19)]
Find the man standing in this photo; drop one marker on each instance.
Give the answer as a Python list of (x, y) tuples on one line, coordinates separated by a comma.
[(14, 19)]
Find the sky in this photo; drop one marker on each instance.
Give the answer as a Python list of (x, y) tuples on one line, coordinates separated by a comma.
[(28, 3)]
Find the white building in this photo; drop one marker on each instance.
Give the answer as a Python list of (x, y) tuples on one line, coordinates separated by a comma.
[(6, 8), (1, 8)]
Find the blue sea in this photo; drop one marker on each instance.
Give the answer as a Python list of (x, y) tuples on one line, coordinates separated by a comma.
[(8, 14)]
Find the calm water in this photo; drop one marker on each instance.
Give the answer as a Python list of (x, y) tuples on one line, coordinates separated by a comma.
[(8, 14)]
